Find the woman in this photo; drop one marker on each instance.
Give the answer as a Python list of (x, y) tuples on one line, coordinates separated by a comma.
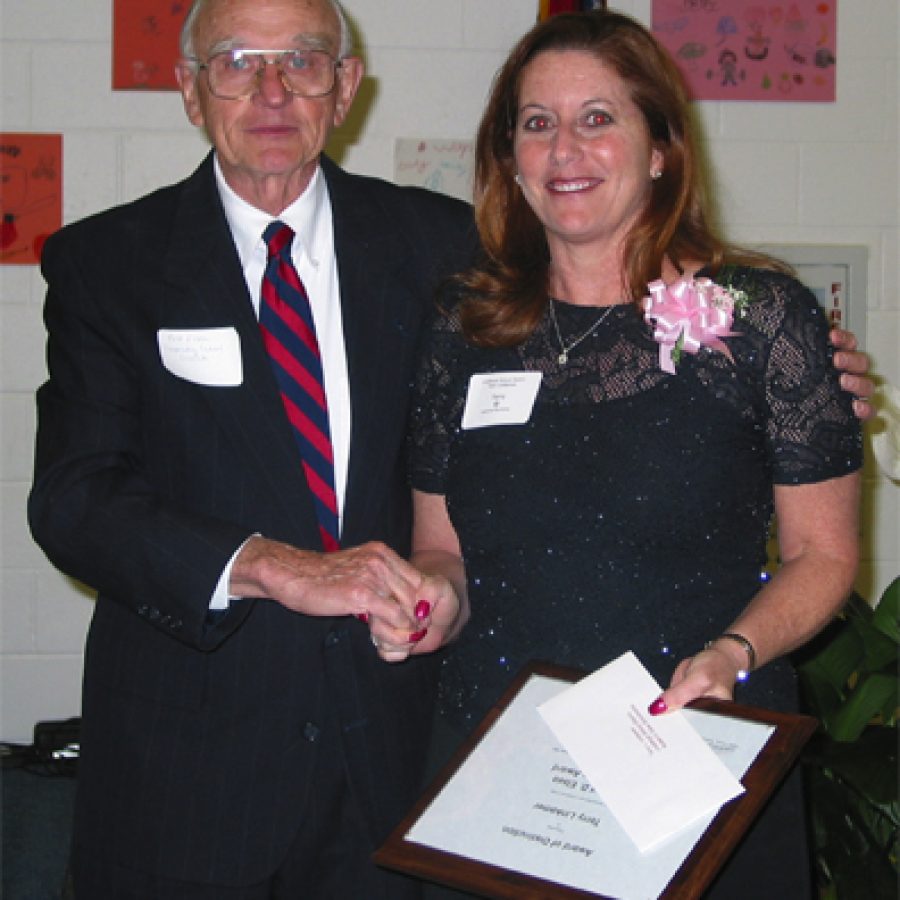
[(628, 506)]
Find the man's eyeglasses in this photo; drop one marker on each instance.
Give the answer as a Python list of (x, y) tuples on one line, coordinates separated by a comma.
[(234, 74)]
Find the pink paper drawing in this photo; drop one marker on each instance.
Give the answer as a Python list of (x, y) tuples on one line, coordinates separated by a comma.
[(752, 50)]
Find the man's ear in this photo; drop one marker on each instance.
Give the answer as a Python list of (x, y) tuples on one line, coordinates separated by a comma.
[(187, 75), (350, 75)]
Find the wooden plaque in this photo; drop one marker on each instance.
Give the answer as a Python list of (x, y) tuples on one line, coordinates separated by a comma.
[(790, 734)]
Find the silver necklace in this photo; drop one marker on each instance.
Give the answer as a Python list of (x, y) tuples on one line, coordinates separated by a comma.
[(563, 357)]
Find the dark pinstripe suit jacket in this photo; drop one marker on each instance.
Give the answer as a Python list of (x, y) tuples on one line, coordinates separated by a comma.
[(198, 741)]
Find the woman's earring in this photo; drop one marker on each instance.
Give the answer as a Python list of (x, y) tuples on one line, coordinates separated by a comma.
[(517, 178), (656, 174)]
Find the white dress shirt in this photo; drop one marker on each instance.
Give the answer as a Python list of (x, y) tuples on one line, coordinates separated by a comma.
[(312, 251)]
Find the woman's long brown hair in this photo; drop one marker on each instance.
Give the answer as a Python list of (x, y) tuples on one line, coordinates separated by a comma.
[(505, 297)]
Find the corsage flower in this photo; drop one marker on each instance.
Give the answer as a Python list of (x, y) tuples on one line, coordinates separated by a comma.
[(689, 314)]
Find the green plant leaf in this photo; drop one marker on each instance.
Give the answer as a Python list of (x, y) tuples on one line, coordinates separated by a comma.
[(873, 693), (839, 658), (879, 650), (886, 616), (867, 766), (822, 698), (850, 676), (852, 856)]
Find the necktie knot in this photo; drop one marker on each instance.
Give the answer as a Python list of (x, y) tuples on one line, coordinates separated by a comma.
[(278, 237)]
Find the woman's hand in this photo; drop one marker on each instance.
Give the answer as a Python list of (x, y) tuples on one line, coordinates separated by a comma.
[(711, 673), (436, 556), (445, 612), (437, 614)]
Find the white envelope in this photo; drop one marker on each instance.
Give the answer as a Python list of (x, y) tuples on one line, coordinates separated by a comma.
[(208, 356), (655, 773)]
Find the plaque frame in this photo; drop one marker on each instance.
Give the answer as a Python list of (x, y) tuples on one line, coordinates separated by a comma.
[(791, 732)]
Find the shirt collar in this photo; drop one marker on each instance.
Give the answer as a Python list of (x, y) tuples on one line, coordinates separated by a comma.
[(247, 223)]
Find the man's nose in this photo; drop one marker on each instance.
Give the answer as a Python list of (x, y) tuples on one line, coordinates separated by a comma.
[(271, 85)]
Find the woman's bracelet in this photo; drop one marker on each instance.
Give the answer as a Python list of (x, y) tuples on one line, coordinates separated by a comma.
[(742, 674)]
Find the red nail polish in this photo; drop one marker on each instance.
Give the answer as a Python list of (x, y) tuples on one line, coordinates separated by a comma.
[(417, 636), (423, 607), (363, 617), (657, 706)]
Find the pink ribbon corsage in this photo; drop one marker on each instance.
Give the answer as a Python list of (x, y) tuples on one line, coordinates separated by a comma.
[(688, 315)]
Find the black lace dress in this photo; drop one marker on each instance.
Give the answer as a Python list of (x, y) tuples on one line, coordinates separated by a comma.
[(632, 511)]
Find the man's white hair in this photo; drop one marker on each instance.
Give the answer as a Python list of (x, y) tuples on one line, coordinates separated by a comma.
[(186, 38)]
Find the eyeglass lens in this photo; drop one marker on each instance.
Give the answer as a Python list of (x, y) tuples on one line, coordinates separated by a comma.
[(234, 73)]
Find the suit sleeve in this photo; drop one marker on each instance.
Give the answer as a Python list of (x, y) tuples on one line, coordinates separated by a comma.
[(92, 508)]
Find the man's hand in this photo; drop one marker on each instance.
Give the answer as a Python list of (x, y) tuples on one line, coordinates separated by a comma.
[(853, 366), (370, 582)]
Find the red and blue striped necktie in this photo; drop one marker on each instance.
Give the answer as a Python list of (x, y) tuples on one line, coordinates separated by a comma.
[(289, 335)]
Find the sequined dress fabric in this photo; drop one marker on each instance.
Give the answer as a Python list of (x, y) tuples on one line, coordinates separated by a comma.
[(632, 510)]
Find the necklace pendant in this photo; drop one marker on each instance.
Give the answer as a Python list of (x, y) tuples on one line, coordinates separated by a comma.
[(563, 358)]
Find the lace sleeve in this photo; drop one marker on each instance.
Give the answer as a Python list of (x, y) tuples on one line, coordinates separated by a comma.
[(437, 405), (812, 431)]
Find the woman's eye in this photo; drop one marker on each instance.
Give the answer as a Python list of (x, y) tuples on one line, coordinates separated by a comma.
[(596, 118), (538, 123)]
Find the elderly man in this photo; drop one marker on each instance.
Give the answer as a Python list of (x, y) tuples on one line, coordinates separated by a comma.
[(220, 454), (242, 737)]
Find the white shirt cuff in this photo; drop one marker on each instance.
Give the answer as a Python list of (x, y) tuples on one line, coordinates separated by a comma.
[(221, 599)]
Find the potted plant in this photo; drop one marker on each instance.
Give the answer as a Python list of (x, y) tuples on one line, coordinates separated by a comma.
[(849, 680)]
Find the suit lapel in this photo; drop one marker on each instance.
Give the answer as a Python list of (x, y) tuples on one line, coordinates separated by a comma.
[(204, 272)]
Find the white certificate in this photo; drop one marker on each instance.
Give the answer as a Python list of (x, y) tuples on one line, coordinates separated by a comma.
[(520, 802)]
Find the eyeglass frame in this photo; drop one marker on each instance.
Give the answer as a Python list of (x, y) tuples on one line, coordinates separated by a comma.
[(336, 63)]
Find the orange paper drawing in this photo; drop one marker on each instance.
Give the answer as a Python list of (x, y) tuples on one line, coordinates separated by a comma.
[(30, 194), (145, 43)]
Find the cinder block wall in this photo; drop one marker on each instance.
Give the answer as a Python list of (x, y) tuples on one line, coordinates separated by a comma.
[(788, 174)]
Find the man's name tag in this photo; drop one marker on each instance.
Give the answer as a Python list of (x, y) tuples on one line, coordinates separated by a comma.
[(209, 356), (500, 398)]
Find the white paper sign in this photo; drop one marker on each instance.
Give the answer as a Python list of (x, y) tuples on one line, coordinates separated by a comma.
[(500, 398), (443, 165), (208, 356), (655, 773)]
